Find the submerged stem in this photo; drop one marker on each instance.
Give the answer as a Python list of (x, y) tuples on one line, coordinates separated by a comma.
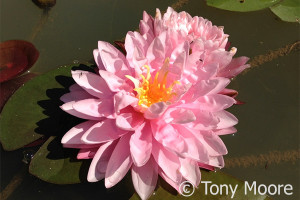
[(14, 183)]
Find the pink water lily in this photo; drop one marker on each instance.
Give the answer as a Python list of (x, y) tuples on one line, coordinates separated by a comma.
[(159, 110)]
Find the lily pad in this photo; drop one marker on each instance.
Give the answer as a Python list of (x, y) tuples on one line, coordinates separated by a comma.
[(218, 178), (16, 57), (287, 10), (33, 111), (55, 164), (241, 5), (9, 87)]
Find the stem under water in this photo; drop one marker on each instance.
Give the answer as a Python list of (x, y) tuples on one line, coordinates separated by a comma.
[(272, 157), (14, 183), (41, 23)]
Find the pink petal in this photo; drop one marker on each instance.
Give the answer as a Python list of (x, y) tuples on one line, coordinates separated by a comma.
[(196, 150), (147, 19), (98, 60), (141, 145), (68, 107), (75, 87), (135, 40), (158, 24), (190, 171), (115, 64), (175, 185), (206, 87), (75, 96), (225, 131), (114, 82), (166, 40), (144, 27), (138, 60), (122, 100), (103, 131), (149, 37), (170, 138), (204, 120), (178, 50), (217, 161), (206, 72), (87, 153), (145, 178), (156, 54), (99, 163), (73, 136), (167, 161), (92, 83), (95, 107), (221, 83), (215, 102), (179, 116), (113, 60), (213, 143), (226, 119), (155, 110), (236, 66), (220, 56), (119, 162), (129, 121), (179, 55)]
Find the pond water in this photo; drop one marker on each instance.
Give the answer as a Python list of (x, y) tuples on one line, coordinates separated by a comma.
[(268, 128)]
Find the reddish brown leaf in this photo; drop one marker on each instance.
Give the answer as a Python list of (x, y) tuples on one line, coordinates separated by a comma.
[(238, 102), (227, 46), (229, 92), (37, 142), (120, 44), (16, 57)]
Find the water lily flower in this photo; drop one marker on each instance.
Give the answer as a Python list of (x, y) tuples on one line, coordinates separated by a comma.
[(158, 111)]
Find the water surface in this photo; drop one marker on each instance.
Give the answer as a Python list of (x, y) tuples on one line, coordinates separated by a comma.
[(269, 121)]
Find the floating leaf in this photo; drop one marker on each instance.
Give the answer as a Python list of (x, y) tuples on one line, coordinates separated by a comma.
[(16, 56), (9, 87), (241, 5), (165, 192), (33, 111), (287, 10), (55, 164)]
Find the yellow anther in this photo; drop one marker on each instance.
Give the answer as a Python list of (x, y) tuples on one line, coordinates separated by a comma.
[(151, 91)]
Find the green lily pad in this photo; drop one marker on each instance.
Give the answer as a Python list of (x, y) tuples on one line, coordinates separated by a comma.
[(218, 178), (55, 164), (241, 5), (287, 10), (33, 111)]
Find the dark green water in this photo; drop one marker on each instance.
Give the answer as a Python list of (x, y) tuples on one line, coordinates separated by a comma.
[(269, 121)]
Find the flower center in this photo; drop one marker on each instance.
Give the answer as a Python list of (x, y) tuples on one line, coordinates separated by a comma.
[(153, 90)]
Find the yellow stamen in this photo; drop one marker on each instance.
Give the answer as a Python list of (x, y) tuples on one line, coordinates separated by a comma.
[(150, 91)]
